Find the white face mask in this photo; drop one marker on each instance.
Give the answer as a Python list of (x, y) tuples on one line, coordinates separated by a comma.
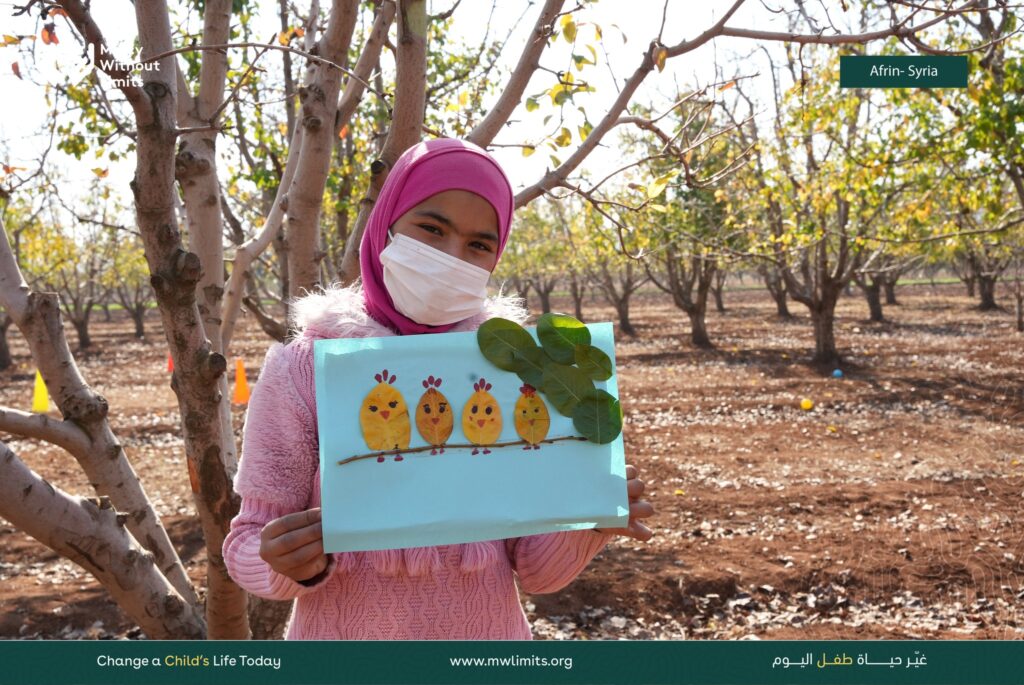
[(431, 286)]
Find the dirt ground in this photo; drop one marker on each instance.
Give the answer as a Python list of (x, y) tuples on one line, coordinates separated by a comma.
[(891, 510)]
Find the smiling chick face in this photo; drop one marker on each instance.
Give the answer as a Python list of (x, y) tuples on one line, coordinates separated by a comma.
[(434, 418), (481, 417), (384, 417), (531, 419)]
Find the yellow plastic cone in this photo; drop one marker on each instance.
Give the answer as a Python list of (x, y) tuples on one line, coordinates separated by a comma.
[(241, 385), (40, 398)]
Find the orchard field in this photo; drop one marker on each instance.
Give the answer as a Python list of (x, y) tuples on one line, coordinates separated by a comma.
[(889, 510)]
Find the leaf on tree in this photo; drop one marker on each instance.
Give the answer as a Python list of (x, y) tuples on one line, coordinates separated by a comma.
[(16, 69), (49, 34)]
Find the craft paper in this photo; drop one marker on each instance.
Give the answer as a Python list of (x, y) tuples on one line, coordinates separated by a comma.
[(449, 413)]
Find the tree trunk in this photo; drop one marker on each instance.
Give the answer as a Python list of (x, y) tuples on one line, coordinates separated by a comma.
[(969, 282), (719, 305), (5, 351), (82, 329), (781, 306), (872, 293), (622, 307), (824, 320), (268, 617), (890, 291), (698, 328), (1020, 312), (138, 314), (987, 289), (106, 312), (545, 299), (577, 289)]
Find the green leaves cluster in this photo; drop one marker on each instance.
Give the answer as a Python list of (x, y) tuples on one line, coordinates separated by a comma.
[(563, 367)]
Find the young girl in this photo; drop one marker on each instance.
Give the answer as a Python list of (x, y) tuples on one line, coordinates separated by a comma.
[(432, 240)]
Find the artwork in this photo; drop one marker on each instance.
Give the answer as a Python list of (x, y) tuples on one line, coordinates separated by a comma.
[(478, 476)]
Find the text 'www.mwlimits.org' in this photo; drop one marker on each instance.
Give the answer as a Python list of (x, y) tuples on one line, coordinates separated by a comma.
[(514, 660)]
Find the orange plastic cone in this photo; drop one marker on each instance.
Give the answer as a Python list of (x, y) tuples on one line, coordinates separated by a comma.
[(241, 385), (40, 398), (170, 363)]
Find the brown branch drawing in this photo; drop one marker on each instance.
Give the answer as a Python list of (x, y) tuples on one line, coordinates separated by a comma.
[(413, 450)]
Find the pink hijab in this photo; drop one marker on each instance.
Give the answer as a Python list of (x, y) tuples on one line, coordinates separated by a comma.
[(426, 169)]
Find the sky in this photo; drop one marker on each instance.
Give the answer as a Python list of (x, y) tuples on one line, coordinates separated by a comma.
[(628, 26)]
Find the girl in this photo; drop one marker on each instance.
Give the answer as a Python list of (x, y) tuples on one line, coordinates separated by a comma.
[(433, 238)]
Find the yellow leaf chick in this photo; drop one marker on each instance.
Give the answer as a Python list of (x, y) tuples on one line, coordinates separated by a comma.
[(481, 417), (384, 417), (531, 418), (434, 419)]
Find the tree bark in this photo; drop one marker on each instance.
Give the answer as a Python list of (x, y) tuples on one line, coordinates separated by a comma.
[(82, 331), (577, 289), (889, 284), (138, 314), (622, 308), (824, 334), (987, 290), (873, 295), (319, 97), (91, 533), (698, 328), (5, 351)]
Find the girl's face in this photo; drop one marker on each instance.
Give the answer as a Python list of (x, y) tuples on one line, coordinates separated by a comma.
[(457, 222)]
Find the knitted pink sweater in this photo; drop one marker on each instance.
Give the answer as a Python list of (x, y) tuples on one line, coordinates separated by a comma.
[(448, 592)]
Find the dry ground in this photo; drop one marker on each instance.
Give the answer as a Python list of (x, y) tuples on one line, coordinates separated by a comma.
[(889, 511)]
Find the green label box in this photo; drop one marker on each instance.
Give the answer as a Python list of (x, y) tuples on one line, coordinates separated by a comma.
[(891, 71)]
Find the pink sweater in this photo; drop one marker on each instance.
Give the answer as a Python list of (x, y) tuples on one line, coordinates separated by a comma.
[(448, 592)]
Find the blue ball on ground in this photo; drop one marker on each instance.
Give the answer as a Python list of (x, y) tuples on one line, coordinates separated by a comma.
[(838, 373)]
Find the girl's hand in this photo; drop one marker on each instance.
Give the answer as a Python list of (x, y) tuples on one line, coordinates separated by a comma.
[(293, 545), (638, 509)]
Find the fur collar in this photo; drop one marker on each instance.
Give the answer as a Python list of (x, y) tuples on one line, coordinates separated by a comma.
[(339, 312)]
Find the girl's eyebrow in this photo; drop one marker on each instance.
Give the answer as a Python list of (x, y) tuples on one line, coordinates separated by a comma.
[(437, 216)]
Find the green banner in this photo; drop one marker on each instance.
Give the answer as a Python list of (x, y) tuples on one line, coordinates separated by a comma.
[(425, 663), (890, 71)]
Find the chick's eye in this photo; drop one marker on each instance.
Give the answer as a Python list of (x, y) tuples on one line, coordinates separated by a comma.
[(426, 408), (441, 407), (536, 410), (373, 407), (488, 410), (474, 409), (393, 404)]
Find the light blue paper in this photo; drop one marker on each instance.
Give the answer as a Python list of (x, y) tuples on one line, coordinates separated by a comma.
[(454, 497)]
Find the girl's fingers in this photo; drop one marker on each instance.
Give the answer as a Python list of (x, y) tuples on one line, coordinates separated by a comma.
[(641, 509), (298, 520), (634, 487), (293, 540), (639, 531), (301, 556), (631, 472), (310, 570)]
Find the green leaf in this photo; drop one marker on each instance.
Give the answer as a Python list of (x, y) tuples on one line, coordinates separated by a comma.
[(500, 339), (560, 334), (598, 417), (531, 104), (565, 387), (529, 365), (564, 137), (585, 130), (593, 362), (568, 28), (528, 150)]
